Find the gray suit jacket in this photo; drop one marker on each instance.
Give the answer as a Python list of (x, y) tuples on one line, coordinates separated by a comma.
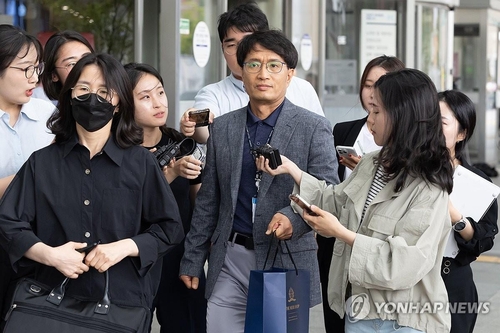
[(302, 136)]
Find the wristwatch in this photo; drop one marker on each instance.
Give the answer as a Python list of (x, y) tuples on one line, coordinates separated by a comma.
[(460, 225)]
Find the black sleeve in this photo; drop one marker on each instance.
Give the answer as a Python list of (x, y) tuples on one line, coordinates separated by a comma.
[(484, 230)]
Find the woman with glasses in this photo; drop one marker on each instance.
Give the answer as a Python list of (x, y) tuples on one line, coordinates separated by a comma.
[(94, 185), (22, 118), (61, 52), (22, 129)]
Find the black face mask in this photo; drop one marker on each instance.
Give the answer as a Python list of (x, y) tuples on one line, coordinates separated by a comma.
[(92, 114)]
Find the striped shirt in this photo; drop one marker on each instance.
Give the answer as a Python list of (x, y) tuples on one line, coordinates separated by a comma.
[(377, 184)]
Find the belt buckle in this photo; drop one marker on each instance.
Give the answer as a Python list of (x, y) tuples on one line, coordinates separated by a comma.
[(249, 243), (232, 239)]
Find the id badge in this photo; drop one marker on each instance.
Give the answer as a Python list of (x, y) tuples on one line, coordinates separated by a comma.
[(254, 205)]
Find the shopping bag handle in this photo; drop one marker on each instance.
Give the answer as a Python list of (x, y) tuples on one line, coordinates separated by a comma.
[(102, 307), (276, 252)]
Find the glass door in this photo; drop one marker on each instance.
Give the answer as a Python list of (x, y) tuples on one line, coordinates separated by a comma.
[(357, 31), (432, 36)]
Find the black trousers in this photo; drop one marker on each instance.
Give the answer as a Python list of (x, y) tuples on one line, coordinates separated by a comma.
[(178, 309), (333, 322), (461, 289)]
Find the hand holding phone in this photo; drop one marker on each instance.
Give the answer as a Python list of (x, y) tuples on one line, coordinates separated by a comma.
[(345, 151), (200, 117), (302, 203)]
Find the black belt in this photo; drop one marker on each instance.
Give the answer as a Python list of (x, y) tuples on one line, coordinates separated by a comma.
[(240, 239)]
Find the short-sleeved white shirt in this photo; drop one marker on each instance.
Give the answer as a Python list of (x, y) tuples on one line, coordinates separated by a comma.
[(229, 94)]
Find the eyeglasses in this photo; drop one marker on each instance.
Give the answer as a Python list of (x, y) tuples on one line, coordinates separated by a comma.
[(82, 93), (68, 67), (231, 48), (30, 70), (255, 66)]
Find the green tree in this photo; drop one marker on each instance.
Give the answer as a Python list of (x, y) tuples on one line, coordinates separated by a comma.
[(110, 21)]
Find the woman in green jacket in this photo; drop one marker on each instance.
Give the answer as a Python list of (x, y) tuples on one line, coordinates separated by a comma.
[(390, 218)]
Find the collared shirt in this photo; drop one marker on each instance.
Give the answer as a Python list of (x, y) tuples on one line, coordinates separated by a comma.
[(62, 195), (38, 92), (229, 94), (364, 144), (28, 134), (260, 132)]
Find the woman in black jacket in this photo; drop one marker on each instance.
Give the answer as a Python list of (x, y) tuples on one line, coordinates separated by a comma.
[(471, 237), (178, 309)]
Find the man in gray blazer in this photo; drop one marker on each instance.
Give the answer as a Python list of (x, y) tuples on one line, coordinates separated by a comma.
[(236, 202)]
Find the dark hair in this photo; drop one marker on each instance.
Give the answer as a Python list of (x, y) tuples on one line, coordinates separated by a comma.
[(390, 64), (13, 40), (135, 72), (246, 17), (272, 40), (127, 132), (465, 113), (50, 56), (415, 145)]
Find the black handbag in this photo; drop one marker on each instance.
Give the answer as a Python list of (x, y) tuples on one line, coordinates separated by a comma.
[(38, 308)]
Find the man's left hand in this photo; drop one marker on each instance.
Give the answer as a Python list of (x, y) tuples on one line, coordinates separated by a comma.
[(282, 225)]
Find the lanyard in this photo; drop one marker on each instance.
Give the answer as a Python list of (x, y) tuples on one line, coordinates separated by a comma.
[(258, 174)]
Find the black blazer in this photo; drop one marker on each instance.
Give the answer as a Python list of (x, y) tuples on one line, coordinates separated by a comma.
[(345, 134), (484, 230)]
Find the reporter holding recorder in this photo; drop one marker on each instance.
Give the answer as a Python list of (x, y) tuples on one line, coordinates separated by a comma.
[(390, 213), (177, 308)]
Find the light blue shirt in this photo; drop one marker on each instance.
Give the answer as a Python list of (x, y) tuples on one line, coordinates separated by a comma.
[(229, 94), (28, 134), (38, 92)]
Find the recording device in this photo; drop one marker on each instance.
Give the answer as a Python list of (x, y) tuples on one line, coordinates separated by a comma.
[(165, 153), (200, 155), (345, 151), (200, 117), (302, 203), (270, 153)]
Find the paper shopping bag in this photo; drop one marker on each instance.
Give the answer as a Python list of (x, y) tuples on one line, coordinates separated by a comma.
[(278, 301)]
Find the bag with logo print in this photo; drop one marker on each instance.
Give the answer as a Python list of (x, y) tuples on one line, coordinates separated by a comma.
[(278, 299)]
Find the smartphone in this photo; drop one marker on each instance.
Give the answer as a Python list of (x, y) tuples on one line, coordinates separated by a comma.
[(345, 151), (302, 203), (200, 117)]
